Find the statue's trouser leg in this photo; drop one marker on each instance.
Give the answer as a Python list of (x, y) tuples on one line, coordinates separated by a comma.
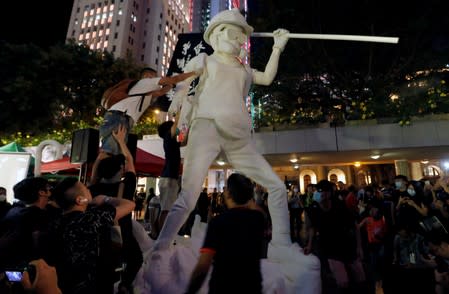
[(205, 143), (244, 157), (203, 147)]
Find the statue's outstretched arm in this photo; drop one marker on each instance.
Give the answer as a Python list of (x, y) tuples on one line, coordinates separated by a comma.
[(266, 78), (192, 70)]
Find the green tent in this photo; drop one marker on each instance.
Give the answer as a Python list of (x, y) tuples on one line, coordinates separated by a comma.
[(14, 147)]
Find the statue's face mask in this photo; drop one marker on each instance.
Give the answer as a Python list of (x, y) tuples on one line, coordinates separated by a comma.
[(228, 38)]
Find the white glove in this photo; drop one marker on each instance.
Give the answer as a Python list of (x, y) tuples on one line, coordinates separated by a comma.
[(181, 90), (280, 38)]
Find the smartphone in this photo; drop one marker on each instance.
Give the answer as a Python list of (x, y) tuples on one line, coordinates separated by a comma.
[(14, 275)]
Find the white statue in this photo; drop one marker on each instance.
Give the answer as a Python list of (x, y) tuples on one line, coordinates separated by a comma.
[(219, 123)]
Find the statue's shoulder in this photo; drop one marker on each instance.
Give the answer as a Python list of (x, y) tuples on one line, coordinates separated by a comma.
[(196, 62)]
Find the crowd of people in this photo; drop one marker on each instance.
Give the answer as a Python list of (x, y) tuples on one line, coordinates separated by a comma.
[(78, 238), (67, 230), (386, 238), (370, 239)]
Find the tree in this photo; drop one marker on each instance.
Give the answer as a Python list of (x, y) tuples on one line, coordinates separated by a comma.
[(42, 90), (355, 80)]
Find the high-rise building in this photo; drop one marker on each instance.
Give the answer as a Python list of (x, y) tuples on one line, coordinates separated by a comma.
[(145, 29), (219, 5), (201, 15), (204, 10)]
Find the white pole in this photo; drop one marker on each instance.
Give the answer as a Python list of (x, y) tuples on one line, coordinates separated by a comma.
[(392, 40)]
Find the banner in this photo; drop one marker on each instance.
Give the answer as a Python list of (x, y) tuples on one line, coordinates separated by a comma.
[(187, 47)]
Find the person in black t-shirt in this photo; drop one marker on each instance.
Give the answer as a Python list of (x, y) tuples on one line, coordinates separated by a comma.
[(203, 205), (78, 234), (233, 244), (335, 238), (24, 229), (168, 182)]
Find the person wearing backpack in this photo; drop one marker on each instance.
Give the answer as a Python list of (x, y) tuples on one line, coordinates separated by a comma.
[(126, 101)]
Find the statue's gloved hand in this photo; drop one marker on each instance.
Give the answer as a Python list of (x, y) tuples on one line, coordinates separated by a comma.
[(280, 38)]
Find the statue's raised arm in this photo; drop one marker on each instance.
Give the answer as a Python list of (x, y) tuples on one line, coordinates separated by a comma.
[(266, 77)]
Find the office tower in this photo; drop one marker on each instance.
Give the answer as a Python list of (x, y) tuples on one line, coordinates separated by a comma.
[(147, 30)]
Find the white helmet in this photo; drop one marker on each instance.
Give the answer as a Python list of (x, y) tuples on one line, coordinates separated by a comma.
[(232, 16)]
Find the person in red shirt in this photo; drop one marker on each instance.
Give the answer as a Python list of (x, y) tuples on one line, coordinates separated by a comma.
[(376, 229), (351, 200)]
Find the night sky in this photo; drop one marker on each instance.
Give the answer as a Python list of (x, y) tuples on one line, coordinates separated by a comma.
[(46, 22), (43, 23)]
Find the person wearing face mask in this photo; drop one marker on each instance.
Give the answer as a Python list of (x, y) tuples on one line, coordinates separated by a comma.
[(400, 188), (412, 209), (334, 236), (5, 206)]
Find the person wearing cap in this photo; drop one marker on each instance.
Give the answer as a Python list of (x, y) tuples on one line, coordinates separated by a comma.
[(129, 110)]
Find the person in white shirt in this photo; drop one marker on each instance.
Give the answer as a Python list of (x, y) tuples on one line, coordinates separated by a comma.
[(129, 110)]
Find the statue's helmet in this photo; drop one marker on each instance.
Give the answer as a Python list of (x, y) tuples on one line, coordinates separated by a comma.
[(232, 16)]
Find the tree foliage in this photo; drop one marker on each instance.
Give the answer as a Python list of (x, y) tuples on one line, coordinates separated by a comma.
[(341, 80), (54, 91)]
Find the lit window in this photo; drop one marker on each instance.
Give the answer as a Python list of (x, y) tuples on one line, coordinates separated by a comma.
[(81, 37), (105, 44), (120, 12), (99, 10)]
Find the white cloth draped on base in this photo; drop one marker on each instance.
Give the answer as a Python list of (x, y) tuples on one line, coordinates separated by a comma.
[(286, 270)]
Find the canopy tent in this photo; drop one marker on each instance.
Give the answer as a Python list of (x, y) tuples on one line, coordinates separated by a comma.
[(15, 147), (146, 164), (62, 164), (12, 147)]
